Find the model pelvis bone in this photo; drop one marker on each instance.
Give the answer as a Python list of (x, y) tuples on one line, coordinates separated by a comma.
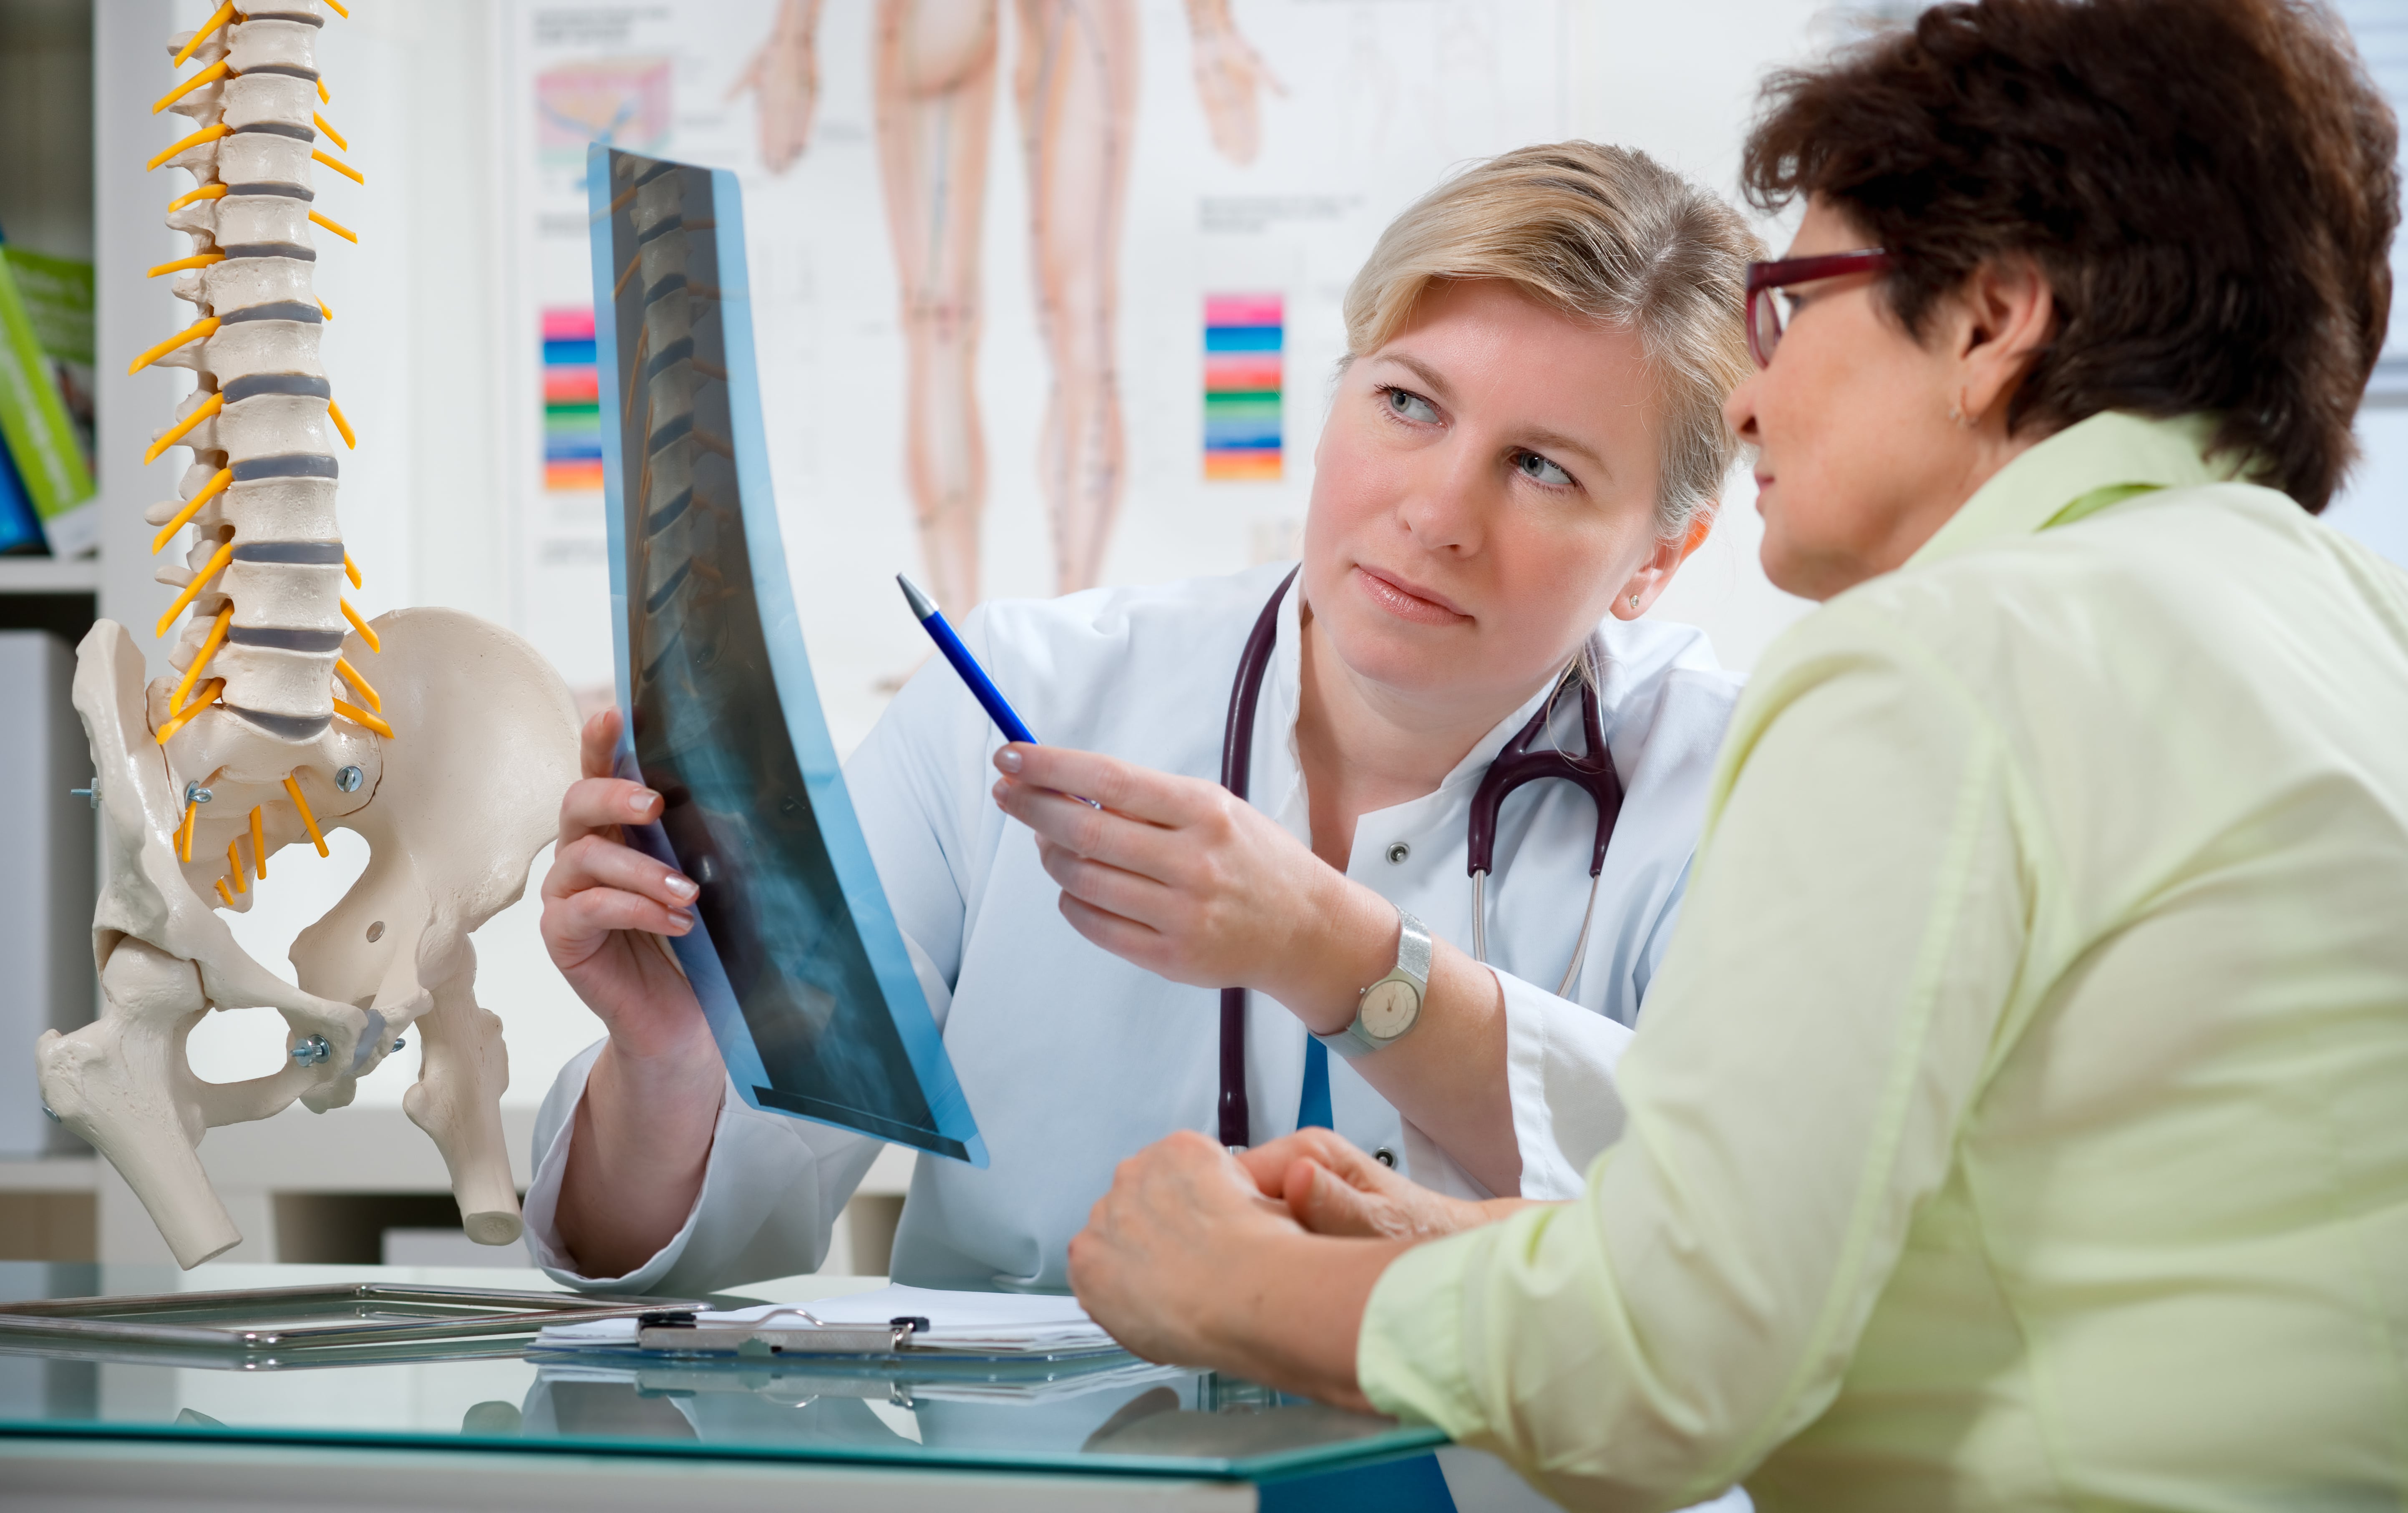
[(452, 815)]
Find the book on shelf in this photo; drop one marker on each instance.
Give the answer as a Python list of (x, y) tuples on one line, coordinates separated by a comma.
[(46, 387), (20, 530)]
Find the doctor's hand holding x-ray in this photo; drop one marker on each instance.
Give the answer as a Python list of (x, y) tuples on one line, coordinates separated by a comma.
[(1509, 474)]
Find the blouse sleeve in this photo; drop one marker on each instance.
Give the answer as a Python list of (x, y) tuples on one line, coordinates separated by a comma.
[(1852, 934)]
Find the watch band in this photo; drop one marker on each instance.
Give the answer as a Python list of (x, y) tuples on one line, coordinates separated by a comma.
[(1410, 974)]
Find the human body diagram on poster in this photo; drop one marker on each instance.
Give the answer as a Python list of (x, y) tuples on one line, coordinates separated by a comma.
[(1075, 81)]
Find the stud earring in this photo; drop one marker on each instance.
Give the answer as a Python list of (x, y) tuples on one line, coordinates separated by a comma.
[(1634, 601)]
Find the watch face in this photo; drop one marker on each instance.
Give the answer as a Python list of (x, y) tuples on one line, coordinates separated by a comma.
[(1389, 1009)]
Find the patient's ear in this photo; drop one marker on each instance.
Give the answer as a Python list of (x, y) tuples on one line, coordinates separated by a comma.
[(2001, 320)]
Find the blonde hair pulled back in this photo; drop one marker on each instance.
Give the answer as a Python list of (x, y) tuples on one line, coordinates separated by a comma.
[(1601, 233)]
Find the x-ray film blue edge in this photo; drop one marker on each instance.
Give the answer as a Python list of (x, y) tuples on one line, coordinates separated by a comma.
[(605, 368)]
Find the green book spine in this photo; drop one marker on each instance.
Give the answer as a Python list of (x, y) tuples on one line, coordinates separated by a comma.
[(33, 417)]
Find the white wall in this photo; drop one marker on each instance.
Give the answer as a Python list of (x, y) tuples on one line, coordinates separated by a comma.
[(2373, 505), (1679, 83)]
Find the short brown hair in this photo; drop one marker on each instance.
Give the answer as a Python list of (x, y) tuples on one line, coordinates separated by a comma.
[(2207, 185), (1602, 234)]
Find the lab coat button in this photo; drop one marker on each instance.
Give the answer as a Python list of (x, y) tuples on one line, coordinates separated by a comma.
[(1399, 851), (1385, 1157)]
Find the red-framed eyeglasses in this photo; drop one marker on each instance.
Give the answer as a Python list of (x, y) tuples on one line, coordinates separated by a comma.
[(1765, 279)]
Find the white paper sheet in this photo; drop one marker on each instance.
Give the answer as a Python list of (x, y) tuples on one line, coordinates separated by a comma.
[(983, 1323)]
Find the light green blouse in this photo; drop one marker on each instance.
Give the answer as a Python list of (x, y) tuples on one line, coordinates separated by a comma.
[(2020, 1118)]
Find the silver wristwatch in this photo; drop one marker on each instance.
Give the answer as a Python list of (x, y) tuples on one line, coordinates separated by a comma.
[(1386, 1011)]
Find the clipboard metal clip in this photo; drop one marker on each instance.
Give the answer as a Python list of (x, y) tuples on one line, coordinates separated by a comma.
[(679, 1332)]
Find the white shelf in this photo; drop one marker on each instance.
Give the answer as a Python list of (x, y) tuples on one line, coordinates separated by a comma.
[(49, 1174), (348, 1150), (50, 574), (372, 1150)]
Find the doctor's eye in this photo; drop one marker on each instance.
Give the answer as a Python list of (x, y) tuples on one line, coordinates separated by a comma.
[(1539, 470), (1405, 405)]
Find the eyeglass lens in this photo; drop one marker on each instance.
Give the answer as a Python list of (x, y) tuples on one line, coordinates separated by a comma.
[(1764, 321)]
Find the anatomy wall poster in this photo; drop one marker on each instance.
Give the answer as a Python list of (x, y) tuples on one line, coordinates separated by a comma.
[(994, 244)]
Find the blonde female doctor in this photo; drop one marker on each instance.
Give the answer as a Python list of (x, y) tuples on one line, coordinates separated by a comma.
[(1523, 443)]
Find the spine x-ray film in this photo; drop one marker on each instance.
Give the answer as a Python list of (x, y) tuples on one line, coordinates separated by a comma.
[(795, 953)]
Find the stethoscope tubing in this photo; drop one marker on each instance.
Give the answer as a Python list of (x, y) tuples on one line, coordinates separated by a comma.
[(1516, 766), (1580, 947), (1237, 763)]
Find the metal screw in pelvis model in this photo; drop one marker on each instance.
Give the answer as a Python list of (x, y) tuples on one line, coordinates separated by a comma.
[(313, 1051), (349, 778)]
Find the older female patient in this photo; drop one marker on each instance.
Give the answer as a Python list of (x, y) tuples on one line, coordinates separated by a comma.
[(2018, 1119)]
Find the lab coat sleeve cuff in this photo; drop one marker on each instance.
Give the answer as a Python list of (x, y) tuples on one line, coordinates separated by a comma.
[(1559, 1061), (1409, 1356), (555, 1125), (771, 1191)]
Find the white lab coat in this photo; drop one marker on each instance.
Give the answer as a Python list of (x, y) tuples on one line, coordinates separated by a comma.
[(1072, 1059)]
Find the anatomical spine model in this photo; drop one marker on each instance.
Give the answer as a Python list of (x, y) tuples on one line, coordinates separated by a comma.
[(443, 741)]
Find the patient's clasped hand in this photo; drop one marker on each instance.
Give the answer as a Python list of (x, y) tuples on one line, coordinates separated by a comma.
[(1216, 1230)]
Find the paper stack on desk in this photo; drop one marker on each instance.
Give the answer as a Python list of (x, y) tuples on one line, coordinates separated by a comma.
[(971, 1323)]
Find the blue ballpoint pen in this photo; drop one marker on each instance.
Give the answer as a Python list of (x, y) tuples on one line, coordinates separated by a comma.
[(981, 688)]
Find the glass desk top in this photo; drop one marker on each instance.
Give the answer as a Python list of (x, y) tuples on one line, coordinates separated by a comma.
[(1117, 1415)]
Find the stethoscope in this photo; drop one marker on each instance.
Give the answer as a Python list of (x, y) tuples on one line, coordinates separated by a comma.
[(1521, 763)]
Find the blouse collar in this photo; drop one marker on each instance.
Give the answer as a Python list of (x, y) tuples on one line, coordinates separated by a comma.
[(2088, 465)]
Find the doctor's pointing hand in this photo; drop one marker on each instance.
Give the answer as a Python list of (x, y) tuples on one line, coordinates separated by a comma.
[(1178, 875), (1320, 882)]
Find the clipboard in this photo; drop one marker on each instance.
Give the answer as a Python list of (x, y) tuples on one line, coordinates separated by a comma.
[(338, 1323), (682, 1332)]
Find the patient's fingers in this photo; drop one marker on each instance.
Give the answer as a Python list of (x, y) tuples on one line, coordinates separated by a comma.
[(1269, 1164), (1325, 1204)]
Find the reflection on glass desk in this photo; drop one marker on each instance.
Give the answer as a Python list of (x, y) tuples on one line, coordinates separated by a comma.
[(1116, 1414)]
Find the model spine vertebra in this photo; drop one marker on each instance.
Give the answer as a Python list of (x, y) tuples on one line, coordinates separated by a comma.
[(263, 576)]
